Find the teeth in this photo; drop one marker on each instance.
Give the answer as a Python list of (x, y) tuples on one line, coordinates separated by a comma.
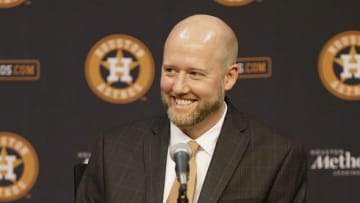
[(183, 102)]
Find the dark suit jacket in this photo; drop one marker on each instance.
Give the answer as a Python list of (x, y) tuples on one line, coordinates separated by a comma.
[(251, 164)]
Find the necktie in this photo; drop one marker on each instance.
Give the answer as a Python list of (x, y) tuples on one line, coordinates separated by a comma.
[(174, 192)]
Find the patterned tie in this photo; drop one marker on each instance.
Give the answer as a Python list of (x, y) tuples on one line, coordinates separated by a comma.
[(174, 192)]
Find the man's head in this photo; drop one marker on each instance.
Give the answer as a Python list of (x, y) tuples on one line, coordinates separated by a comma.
[(199, 66)]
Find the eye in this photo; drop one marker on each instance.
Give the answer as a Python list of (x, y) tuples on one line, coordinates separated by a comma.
[(169, 70), (196, 74)]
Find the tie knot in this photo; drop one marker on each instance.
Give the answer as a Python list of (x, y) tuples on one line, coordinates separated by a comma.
[(194, 146)]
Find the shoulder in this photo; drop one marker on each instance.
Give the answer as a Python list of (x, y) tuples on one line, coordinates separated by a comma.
[(267, 145), (261, 134), (133, 130), (260, 130)]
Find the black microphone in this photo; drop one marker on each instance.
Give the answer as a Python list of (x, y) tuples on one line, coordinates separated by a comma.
[(180, 153)]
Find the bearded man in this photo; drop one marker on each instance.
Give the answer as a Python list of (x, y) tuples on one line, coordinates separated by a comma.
[(237, 158)]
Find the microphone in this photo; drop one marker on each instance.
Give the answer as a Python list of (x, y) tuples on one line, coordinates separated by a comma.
[(180, 153)]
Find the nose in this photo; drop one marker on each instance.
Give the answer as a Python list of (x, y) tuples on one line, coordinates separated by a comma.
[(181, 85)]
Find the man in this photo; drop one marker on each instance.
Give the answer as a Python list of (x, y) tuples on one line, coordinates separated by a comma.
[(239, 159)]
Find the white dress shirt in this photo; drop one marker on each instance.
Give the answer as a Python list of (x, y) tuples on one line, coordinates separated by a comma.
[(207, 142)]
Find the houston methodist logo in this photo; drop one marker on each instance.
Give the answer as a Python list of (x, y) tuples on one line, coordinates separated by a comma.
[(339, 65), (234, 2), (339, 162), (10, 3), (18, 166), (119, 69)]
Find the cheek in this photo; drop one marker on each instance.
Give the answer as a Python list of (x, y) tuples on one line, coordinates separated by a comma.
[(212, 89), (165, 84), (202, 89)]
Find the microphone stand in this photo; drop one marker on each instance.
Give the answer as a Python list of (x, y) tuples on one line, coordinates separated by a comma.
[(182, 198)]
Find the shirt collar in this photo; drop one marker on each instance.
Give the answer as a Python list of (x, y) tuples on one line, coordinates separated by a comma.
[(207, 141)]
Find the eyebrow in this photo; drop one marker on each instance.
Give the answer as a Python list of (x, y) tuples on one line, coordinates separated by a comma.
[(168, 66), (189, 68)]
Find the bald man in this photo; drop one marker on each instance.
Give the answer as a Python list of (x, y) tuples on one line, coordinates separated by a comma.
[(238, 159)]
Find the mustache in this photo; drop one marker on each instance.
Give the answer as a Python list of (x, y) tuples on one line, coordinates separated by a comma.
[(183, 96)]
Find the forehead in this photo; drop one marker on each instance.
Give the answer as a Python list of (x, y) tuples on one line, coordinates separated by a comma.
[(190, 56), (192, 51)]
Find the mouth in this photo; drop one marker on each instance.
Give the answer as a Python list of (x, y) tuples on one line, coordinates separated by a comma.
[(182, 103)]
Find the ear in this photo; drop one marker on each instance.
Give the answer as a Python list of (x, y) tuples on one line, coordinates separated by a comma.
[(231, 76)]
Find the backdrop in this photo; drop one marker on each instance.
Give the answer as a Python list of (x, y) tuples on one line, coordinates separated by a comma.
[(61, 83)]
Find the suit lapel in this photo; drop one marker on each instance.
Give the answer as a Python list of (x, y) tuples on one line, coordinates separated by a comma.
[(155, 153), (229, 150)]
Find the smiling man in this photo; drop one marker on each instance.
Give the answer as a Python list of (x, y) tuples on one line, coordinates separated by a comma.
[(199, 66), (235, 158)]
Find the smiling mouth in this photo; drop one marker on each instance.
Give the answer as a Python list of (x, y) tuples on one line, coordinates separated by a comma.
[(183, 101)]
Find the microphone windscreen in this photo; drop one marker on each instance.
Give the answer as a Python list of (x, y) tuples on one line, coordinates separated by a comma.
[(180, 147)]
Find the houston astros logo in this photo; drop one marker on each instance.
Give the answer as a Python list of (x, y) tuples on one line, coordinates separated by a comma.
[(339, 65), (234, 2), (119, 69), (18, 167), (10, 3)]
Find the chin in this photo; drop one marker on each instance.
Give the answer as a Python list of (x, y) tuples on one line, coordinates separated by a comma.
[(181, 119)]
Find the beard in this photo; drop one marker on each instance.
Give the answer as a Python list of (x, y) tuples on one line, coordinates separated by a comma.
[(203, 109)]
